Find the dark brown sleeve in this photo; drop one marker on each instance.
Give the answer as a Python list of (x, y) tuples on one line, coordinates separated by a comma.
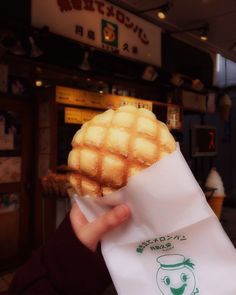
[(62, 266)]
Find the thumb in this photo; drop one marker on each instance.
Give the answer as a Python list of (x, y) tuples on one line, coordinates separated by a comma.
[(93, 232)]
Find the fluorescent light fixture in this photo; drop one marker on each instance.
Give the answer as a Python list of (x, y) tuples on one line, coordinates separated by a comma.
[(218, 62)]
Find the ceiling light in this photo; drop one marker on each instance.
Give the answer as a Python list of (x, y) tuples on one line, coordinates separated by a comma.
[(177, 79), (38, 83), (149, 73), (204, 33), (197, 84), (203, 37), (101, 89), (161, 15), (162, 10), (225, 105)]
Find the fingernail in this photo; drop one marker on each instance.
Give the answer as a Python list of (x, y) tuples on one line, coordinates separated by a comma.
[(122, 211)]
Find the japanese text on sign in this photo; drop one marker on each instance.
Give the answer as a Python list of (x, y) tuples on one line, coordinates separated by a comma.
[(107, 10)]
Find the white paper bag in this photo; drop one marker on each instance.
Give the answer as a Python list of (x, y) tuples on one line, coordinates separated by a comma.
[(173, 244)]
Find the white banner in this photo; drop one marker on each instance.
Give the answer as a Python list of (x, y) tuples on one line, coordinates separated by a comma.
[(102, 25)]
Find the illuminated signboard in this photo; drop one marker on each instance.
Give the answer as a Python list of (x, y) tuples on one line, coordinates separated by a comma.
[(203, 141), (71, 96)]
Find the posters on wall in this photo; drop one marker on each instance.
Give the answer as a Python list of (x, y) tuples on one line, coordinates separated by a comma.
[(193, 100), (9, 202), (10, 169), (10, 147), (10, 133)]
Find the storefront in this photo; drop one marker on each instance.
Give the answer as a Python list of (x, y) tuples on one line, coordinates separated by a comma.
[(83, 69)]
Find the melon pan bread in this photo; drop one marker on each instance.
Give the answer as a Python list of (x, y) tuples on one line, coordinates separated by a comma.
[(114, 146)]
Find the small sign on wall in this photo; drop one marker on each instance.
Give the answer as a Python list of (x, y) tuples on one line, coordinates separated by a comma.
[(7, 142), (9, 202), (10, 133), (173, 117), (138, 103), (10, 169), (78, 116), (71, 96), (204, 142), (193, 100)]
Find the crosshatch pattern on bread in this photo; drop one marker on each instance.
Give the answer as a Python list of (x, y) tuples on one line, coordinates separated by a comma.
[(114, 146)]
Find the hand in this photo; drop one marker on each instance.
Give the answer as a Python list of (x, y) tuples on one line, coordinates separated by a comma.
[(90, 233)]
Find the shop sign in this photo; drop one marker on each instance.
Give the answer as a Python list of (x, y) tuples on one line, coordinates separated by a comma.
[(193, 101), (173, 117), (71, 96), (79, 116), (139, 103), (101, 24)]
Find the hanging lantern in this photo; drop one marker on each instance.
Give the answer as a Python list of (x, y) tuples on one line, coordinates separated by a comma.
[(225, 105)]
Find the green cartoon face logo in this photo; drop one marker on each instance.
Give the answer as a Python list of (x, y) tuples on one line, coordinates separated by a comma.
[(109, 33), (175, 275)]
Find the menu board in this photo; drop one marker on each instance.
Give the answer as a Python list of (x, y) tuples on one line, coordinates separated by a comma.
[(78, 115), (70, 96)]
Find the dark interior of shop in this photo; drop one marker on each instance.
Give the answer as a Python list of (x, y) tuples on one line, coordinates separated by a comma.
[(31, 111)]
